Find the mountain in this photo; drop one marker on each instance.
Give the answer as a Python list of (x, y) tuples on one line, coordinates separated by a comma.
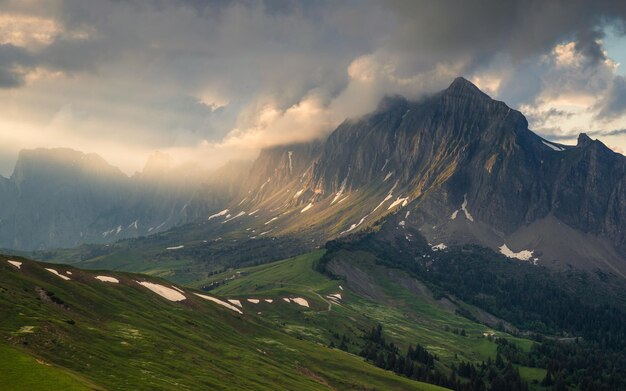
[(454, 168), (62, 198), (459, 167)]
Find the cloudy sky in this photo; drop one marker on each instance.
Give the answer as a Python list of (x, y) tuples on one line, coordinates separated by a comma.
[(217, 80)]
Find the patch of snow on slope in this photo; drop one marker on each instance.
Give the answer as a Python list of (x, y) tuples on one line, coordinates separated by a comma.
[(242, 201), (523, 255), (288, 300), (398, 201), (300, 301), (336, 295), (553, 147), (384, 165), (290, 153), (439, 247), (309, 206), (234, 217), (218, 214), (175, 247), (235, 302), (254, 301), (298, 193), (58, 274), (133, 224), (408, 212), (341, 189), (266, 182), (118, 230), (220, 302), (273, 219), (253, 213), (108, 279), (464, 209), (269, 301), (266, 232), (16, 264), (163, 291), (388, 176)]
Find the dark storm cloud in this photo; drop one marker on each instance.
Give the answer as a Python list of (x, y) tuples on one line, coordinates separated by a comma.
[(166, 66)]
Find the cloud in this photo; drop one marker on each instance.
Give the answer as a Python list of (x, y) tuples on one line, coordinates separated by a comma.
[(225, 78)]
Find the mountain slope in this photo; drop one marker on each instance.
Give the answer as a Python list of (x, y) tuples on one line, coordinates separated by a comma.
[(123, 335), (459, 167)]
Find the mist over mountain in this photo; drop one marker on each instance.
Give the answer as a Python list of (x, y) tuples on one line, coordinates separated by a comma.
[(62, 198)]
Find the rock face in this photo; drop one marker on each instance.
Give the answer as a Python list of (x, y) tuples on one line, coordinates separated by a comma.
[(459, 167), (61, 198)]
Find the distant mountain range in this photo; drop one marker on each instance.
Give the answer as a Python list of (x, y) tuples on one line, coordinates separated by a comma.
[(62, 198), (455, 168)]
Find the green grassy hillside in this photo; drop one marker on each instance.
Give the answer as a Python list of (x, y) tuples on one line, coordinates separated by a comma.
[(78, 332), (371, 295)]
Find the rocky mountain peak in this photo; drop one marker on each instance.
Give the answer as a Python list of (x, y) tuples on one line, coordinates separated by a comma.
[(462, 86), (583, 140)]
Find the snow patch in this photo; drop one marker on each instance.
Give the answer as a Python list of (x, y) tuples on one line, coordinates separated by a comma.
[(439, 247), (266, 182), (58, 274), (341, 189), (254, 301), (253, 213), (340, 287), (553, 147), (399, 201), (108, 279), (218, 214), (16, 264), (220, 302), (234, 217), (384, 165), (288, 300), (335, 295), (309, 206), (269, 301), (523, 255), (163, 291), (298, 193), (402, 223), (300, 301), (175, 247), (388, 176), (235, 302), (464, 210), (273, 219), (290, 153)]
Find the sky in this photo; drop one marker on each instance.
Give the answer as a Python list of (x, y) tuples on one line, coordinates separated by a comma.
[(212, 81)]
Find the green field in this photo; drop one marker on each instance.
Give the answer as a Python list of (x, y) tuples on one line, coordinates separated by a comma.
[(125, 337)]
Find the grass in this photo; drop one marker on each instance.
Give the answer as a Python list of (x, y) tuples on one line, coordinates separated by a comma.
[(19, 371), (406, 309), (125, 337)]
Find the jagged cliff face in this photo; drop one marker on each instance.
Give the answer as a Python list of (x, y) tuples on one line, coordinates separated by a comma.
[(61, 198), (459, 167)]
